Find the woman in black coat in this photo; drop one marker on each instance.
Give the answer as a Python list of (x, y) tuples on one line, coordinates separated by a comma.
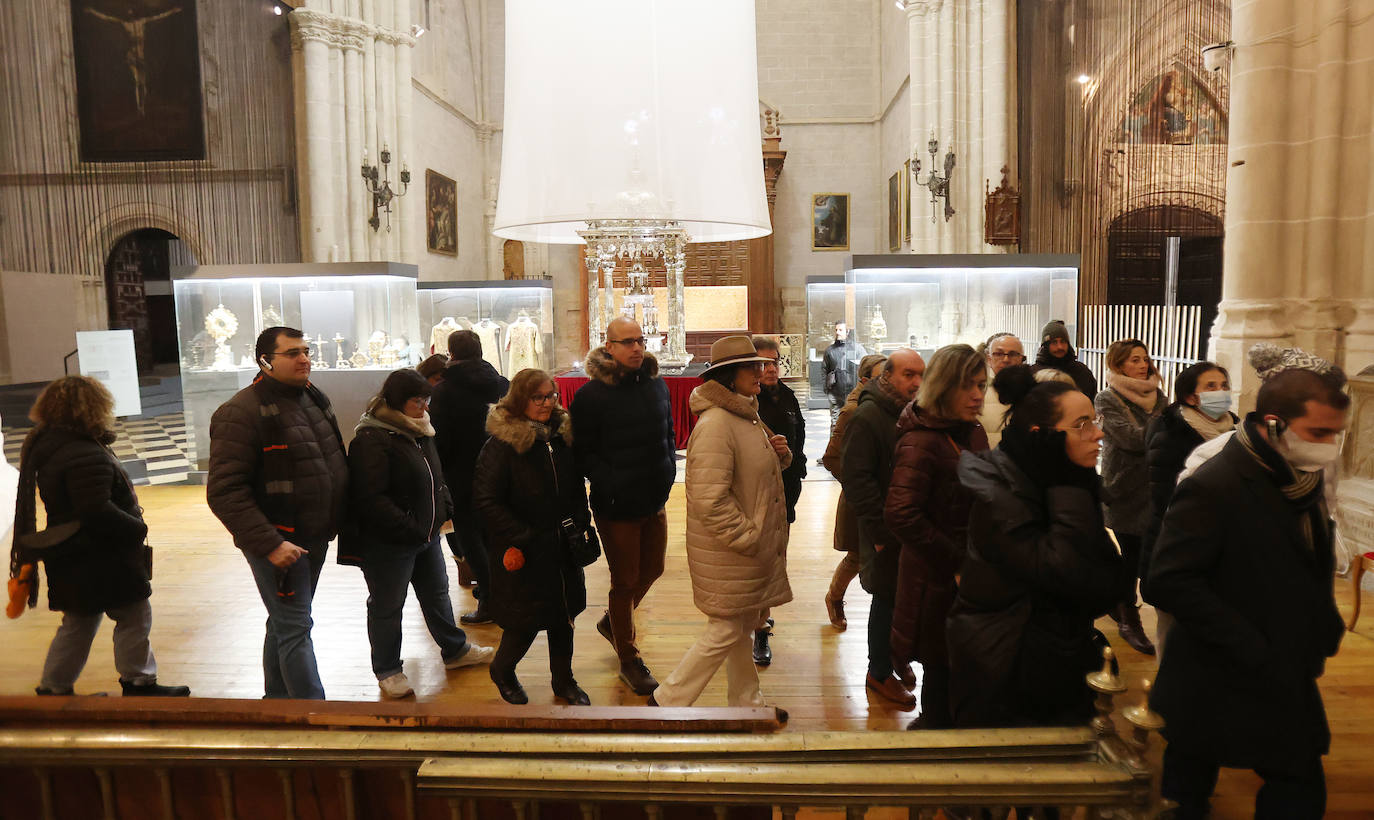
[(94, 548), (526, 487), (1040, 567), (396, 484)]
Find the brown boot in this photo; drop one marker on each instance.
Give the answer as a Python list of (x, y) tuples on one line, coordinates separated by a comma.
[(1129, 626)]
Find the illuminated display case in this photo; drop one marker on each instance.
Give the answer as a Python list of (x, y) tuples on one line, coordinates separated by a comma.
[(359, 317), (513, 318), (927, 302)]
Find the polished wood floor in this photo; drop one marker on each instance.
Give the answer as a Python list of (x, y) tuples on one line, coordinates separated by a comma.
[(208, 625)]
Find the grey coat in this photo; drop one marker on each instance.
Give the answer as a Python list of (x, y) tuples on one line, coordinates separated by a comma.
[(1125, 469)]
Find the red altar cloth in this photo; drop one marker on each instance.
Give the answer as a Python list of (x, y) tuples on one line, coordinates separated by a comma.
[(679, 395)]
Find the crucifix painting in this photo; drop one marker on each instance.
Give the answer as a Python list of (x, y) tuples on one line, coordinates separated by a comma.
[(138, 80)]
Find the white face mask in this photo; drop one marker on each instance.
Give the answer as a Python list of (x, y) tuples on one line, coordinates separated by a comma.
[(1307, 456)]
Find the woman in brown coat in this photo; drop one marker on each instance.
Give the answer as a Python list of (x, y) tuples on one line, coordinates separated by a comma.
[(927, 511)]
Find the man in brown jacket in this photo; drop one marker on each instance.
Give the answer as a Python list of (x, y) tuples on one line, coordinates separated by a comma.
[(278, 481)]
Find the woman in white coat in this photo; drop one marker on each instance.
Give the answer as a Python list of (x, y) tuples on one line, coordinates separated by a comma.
[(736, 527)]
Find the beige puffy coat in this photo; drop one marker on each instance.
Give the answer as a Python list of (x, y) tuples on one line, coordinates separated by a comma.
[(736, 516)]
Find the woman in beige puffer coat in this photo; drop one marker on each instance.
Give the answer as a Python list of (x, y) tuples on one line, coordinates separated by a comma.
[(736, 527)]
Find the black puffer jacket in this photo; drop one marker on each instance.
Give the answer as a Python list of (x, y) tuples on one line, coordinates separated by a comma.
[(398, 493), (865, 472), (458, 410), (104, 565), (1069, 364), (1040, 569), (524, 487), (303, 503), (780, 410), (623, 429)]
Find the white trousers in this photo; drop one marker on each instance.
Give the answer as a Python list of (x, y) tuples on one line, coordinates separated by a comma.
[(726, 640)]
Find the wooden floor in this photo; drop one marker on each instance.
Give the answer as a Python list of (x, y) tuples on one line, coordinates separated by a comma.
[(208, 624)]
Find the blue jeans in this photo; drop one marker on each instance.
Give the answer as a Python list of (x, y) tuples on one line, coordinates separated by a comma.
[(288, 653), (386, 597)]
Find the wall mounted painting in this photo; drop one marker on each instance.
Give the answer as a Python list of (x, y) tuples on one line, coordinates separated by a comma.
[(1174, 108), (894, 212), (829, 222), (138, 80), (441, 214), (906, 200)]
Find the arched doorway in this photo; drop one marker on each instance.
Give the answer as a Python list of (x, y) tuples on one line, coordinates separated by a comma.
[(138, 288), (1137, 258)]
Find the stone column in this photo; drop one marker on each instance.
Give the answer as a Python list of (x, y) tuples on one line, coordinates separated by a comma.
[(309, 39)]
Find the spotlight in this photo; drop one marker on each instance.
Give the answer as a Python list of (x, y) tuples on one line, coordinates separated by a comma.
[(1084, 79), (417, 30)]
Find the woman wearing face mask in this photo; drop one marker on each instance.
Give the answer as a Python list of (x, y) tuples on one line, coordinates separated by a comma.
[(1132, 399), (927, 510), (1040, 566)]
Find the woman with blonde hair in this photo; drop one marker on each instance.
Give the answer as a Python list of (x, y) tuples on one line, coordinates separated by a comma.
[(533, 504), (927, 510), (94, 549)]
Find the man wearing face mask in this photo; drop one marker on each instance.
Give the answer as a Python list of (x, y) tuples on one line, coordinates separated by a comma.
[(1244, 564)]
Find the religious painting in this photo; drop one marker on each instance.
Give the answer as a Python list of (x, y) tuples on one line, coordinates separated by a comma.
[(830, 222), (1174, 109), (906, 200), (1002, 216), (894, 211), (441, 214), (138, 80)]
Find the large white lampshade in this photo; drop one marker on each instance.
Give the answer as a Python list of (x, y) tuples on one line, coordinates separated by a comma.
[(631, 109)]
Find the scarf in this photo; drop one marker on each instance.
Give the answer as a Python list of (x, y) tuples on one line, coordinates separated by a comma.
[(1303, 490), (1144, 393), (542, 431), (1205, 426), (891, 392), (380, 415)]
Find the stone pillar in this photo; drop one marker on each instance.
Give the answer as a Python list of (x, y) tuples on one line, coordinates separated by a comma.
[(1300, 187)]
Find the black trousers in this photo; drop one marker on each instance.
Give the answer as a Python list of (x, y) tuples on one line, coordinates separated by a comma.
[(880, 637), (467, 542), (515, 643), (1130, 553), (1190, 781)]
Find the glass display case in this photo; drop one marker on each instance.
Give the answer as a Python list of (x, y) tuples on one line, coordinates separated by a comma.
[(359, 317), (513, 318), (927, 302)]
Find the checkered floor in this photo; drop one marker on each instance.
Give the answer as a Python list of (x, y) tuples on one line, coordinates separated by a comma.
[(154, 451)]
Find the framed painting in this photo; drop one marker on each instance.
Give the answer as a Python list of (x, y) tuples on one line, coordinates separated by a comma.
[(441, 214), (829, 222), (138, 93), (894, 212), (906, 200)]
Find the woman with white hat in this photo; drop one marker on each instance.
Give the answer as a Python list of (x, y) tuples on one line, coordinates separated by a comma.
[(736, 527)]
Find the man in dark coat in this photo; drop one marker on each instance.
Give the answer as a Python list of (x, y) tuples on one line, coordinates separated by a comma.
[(865, 470), (1244, 564), (839, 366), (1057, 353), (279, 480), (623, 437), (458, 410), (780, 410)]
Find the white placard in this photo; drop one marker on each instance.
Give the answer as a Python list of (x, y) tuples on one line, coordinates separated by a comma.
[(108, 357)]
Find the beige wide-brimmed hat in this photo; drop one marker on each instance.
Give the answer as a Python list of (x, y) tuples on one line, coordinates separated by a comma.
[(733, 350)]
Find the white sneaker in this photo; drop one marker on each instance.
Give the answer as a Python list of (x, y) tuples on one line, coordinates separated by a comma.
[(396, 686), (475, 656)]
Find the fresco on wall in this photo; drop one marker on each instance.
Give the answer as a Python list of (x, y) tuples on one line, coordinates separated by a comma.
[(138, 80), (1173, 109)]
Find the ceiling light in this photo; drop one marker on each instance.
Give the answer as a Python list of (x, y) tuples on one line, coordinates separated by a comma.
[(1084, 79)]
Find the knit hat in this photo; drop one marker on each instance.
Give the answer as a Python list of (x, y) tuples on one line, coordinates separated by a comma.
[(1269, 360), (1054, 330)]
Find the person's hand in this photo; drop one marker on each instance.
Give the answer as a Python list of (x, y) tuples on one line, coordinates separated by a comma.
[(285, 555), (780, 445)]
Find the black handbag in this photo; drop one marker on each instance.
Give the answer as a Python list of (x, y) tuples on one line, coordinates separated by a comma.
[(584, 547)]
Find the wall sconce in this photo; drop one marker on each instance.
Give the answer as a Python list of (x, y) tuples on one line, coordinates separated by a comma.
[(937, 185), (382, 193)]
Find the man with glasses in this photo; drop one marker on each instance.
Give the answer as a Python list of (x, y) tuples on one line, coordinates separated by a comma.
[(278, 481), (1002, 351), (624, 442)]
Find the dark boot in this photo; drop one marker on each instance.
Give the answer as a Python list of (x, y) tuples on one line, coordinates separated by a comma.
[(154, 690), (763, 653), (637, 676), (508, 686), (1129, 626), (570, 693), (480, 615)]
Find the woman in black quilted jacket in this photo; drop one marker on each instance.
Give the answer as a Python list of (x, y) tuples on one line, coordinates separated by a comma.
[(94, 549)]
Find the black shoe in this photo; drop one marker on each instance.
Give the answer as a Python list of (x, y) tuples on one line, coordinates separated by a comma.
[(45, 691), (154, 690), (604, 627), (763, 653), (1133, 632), (478, 616), (571, 694), (637, 676), (652, 700), (508, 686), (782, 714)]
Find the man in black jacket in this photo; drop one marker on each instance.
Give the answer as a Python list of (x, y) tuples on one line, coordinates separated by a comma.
[(624, 442), (1244, 564), (278, 481), (1057, 353), (780, 410), (840, 365), (865, 470), (458, 410)]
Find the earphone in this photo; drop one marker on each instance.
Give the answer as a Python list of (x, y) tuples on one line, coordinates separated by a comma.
[(262, 360)]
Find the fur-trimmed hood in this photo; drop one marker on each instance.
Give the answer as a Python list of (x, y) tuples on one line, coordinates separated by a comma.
[(519, 433), (600, 366), (714, 394)]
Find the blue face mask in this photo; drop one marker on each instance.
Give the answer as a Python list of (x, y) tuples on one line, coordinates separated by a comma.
[(1215, 403)]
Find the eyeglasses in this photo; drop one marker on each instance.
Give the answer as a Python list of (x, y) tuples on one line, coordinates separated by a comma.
[(294, 353), (636, 342), (1086, 428), (543, 398), (423, 401), (1010, 355)]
